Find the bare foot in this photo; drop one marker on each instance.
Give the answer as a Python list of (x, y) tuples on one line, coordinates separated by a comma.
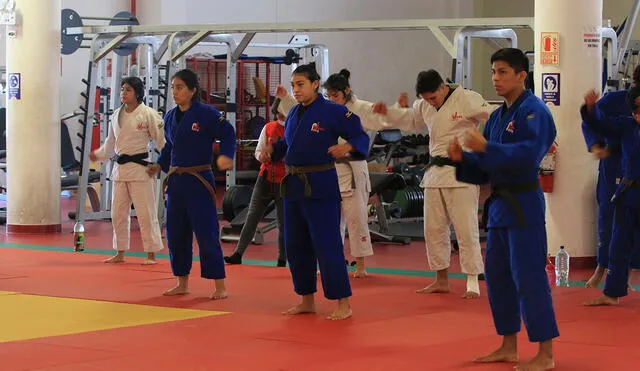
[(602, 300), (538, 363), (220, 291), (359, 274), (218, 295), (178, 290), (306, 306), (596, 278), (436, 287), (181, 288), (471, 295), (500, 355), (300, 309), (343, 311), (148, 261), (117, 258)]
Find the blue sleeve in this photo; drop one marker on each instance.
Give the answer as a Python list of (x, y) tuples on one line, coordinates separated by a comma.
[(279, 150), (165, 155), (535, 128), (591, 137), (221, 129), (605, 125), (469, 170), (350, 128)]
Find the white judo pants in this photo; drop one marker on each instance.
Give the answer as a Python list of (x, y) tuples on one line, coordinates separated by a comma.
[(142, 194), (457, 206), (354, 206)]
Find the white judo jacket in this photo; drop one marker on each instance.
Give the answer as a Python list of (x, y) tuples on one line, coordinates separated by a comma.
[(464, 109), (132, 136)]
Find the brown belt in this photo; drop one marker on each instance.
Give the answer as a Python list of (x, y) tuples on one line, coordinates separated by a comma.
[(192, 170), (301, 172)]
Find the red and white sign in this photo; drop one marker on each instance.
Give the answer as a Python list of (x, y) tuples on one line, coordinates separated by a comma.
[(549, 48)]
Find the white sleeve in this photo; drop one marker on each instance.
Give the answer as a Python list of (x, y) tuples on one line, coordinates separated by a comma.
[(107, 149), (476, 108), (370, 121), (286, 104), (262, 142), (156, 127), (408, 119)]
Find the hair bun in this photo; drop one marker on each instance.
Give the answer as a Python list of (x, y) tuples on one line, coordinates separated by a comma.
[(345, 72)]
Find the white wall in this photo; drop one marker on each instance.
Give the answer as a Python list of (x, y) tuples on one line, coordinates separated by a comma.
[(383, 64)]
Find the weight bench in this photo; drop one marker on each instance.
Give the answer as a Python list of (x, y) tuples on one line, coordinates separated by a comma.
[(381, 182)]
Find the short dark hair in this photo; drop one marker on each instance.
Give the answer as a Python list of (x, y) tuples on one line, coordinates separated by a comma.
[(308, 70), (636, 75), (633, 94), (428, 82), (190, 79), (515, 58), (136, 84), (339, 82)]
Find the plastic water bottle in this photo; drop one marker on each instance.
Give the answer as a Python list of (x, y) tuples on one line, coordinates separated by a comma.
[(78, 236), (562, 267)]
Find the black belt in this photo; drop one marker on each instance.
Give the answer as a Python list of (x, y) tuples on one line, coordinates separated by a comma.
[(626, 184), (508, 192), (301, 172), (138, 158), (439, 161)]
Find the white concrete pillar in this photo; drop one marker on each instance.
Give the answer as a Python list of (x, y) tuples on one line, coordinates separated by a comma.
[(33, 119), (571, 208)]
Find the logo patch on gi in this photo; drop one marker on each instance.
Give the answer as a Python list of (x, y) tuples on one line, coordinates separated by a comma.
[(511, 127), (456, 116), (221, 118), (531, 116), (140, 126), (195, 127), (316, 127), (348, 114), (160, 125)]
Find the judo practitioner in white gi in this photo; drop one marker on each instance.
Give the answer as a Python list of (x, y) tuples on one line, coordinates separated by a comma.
[(133, 126), (447, 111)]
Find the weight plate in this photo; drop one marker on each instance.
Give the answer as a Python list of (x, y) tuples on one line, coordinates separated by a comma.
[(69, 43)]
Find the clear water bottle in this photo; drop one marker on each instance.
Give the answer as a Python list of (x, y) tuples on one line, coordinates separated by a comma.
[(562, 267), (78, 236)]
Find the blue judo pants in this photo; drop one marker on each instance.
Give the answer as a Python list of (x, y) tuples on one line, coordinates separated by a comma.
[(606, 188), (625, 242), (312, 239), (190, 210), (517, 283)]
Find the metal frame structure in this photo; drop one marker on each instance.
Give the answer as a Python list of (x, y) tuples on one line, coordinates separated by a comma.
[(179, 39)]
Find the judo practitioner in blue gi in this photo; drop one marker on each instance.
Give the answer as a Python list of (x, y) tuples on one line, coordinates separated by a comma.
[(191, 129), (516, 137), (607, 150), (311, 193), (626, 221)]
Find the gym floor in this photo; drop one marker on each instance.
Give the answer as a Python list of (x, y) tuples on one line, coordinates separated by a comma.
[(61, 310)]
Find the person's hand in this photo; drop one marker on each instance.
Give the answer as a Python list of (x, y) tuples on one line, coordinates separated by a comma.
[(92, 156), (380, 108), (454, 151), (224, 163), (339, 151), (265, 154), (281, 92), (600, 152), (153, 170), (590, 99), (403, 100), (474, 140)]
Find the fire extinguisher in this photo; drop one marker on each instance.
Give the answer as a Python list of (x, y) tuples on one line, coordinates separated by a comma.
[(547, 168)]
